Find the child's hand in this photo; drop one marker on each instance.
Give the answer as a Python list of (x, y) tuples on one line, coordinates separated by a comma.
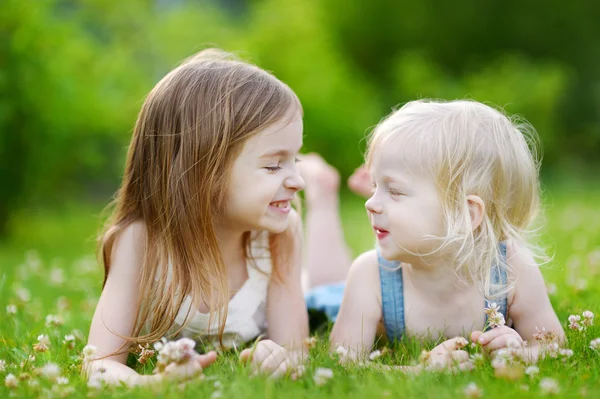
[(496, 338), (449, 353), (268, 358), (190, 369)]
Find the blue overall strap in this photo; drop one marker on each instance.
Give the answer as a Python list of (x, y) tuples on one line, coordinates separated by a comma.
[(499, 280), (392, 297)]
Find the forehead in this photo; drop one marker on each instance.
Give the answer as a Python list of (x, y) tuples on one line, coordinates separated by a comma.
[(285, 134), (397, 156)]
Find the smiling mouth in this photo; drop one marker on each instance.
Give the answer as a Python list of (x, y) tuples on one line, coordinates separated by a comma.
[(282, 207)]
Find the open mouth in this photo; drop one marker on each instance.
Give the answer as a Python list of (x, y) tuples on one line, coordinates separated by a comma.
[(282, 207), (380, 233)]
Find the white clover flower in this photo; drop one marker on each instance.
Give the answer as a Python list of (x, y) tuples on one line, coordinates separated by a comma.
[(96, 380), (588, 318), (43, 343), (311, 342), (477, 358), (472, 391), (581, 284), (342, 352), (322, 375), (11, 381), (57, 276), (566, 353), (552, 349), (513, 343), (160, 344), (461, 342), (89, 351), (499, 362), (32, 259), (532, 371), (69, 341), (2, 365), (374, 355), (50, 371), (23, 294), (63, 303), (595, 344), (493, 308), (11, 309), (496, 320), (62, 380), (549, 386), (186, 344), (54, 320), (177, 352)]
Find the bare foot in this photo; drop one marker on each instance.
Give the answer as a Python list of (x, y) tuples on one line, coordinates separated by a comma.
[(322, 180), (360, 182)]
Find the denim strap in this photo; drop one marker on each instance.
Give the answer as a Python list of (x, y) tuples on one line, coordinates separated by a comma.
[(392, 297), (498, 282)]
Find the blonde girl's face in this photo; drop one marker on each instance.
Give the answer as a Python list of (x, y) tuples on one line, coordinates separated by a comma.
[(264, 178), (405, 208)]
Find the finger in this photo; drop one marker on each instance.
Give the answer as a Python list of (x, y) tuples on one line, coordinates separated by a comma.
[(273, 361), (475, 335), (459, 356), (280, 371), (207, 359), (492, 334), (246, 355), (261, 352), (501, 342), (454, 343)]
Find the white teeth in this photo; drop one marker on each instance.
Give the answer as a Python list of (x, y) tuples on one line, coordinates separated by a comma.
[(280, 204)]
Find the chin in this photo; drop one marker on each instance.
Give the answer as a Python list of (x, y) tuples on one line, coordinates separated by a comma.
[(275, 228), (390, 253)]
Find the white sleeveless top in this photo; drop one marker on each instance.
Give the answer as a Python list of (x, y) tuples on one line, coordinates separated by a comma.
[(247, 310)]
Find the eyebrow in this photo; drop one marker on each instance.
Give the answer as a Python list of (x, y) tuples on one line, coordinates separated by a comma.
[(276, 153), (390, 179)]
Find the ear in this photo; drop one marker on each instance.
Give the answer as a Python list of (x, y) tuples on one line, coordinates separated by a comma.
[(476, 210)]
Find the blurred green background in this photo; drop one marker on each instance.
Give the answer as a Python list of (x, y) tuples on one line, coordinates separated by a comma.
[(73, 75)]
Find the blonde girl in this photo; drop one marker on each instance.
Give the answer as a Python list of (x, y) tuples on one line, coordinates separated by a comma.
[(204, 241), (455, 196)]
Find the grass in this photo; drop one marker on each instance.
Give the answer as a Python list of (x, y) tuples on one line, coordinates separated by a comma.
[(51, 255)]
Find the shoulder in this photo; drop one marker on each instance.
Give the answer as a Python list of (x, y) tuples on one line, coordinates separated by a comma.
[(128, 249), (520, 260), (365, 268), (524, 273)]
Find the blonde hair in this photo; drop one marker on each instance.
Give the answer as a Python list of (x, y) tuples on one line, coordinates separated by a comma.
[(469, 148), (190, 130)]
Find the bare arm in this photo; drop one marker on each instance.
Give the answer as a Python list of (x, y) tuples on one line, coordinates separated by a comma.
[(286, 310), (360, 313), (531, 308), (115, 313)]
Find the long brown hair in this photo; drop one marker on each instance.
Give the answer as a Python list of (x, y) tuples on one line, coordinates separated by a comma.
[(187, 135)]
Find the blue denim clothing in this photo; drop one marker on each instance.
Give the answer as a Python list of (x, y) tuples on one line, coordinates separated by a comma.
[(326, 299), (392, 293)]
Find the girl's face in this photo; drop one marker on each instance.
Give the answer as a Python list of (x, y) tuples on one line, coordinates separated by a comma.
[(405, 208), (264, 179)]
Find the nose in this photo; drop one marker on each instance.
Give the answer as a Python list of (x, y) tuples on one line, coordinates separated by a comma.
[(373, 205), (295, 182)]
